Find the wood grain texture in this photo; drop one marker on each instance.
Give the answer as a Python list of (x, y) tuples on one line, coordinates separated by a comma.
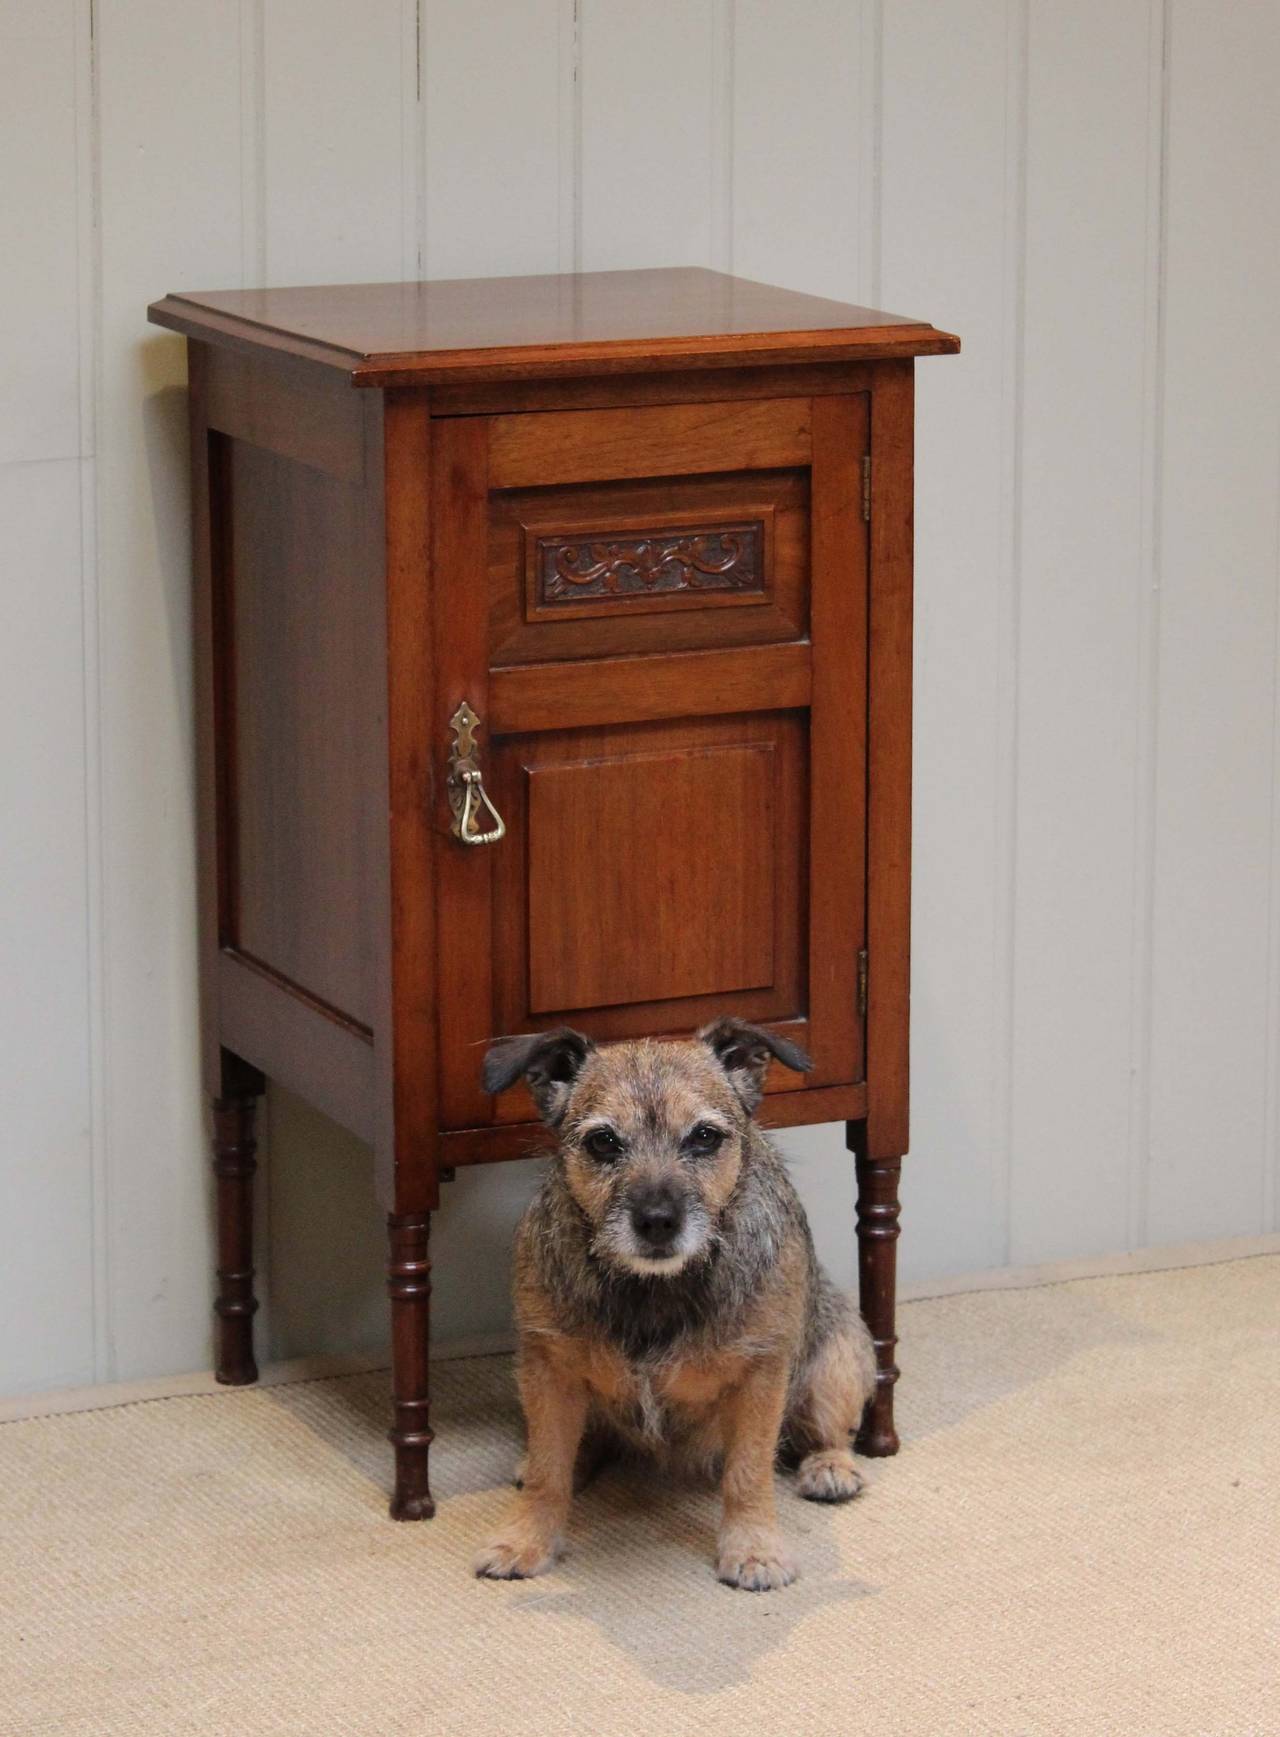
[(524, 632), (213, 724), (878, 1232), (632, 919), (289, 409), (296, 1041), (659, 861), (234, 1164), (407, 1081), (889, 766), (709, 385), (465, 876), (300, 674), (782, 1109), (663, 563), (536, 450), (409, 1288), (612, 690), (495, 328), (838, 787)]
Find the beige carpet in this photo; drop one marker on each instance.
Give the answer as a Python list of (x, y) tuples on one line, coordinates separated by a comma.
[(1081, 1535)]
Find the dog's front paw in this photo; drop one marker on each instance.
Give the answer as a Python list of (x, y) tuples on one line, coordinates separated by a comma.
[(829, 1475), (509, 1559), (756, 1562)]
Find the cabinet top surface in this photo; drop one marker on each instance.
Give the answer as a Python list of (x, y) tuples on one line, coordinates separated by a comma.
[(387, 334)]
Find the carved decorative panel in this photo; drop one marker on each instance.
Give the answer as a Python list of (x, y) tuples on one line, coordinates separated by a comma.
[(594, 566), (648, 564)]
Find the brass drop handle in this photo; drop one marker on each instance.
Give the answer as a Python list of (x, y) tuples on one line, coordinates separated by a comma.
[(468, 798)]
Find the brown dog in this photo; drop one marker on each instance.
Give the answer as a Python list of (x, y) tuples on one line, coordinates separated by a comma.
[(668, 1295)]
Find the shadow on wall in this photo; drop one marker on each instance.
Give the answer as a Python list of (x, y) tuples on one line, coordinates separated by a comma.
[(324, 1250)]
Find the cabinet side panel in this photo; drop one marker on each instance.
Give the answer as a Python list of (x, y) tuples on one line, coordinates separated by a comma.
[(889, 762), (299, 682), (208, 519), (405, 1142)]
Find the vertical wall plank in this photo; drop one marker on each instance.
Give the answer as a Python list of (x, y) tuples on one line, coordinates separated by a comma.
[(794, 194), (47, 1265), (648, 163), (331, 130), (798, 135), (1081, 542), (1215, 882), (170, 136), (493, 122), (46, 1219), (948, 240), (39, 375)]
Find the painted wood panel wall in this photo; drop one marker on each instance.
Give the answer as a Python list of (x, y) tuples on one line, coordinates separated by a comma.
[(1085, 191)]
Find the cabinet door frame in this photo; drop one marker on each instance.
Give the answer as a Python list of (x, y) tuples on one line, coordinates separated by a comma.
[(837, 647)]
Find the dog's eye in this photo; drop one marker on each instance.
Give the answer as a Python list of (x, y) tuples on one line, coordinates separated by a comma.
[(603, 1143), (705, 1139)]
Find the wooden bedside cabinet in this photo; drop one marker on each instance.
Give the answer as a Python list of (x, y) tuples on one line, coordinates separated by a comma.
[(560, 675)]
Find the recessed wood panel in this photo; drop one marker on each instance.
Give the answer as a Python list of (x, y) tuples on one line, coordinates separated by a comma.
[(549, 897), (651, 877), (751, 525), (301, 823)]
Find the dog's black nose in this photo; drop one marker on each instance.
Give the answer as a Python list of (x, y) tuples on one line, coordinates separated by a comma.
[(656, 1215)]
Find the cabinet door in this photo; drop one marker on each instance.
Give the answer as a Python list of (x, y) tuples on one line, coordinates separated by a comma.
[(659, 616)]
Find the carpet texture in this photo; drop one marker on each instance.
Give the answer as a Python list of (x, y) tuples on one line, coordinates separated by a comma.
[(1081, 1535)]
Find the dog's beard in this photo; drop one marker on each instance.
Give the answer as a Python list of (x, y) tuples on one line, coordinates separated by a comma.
[(616, 1242)]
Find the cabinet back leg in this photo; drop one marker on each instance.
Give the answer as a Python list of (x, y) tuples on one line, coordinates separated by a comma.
[(235, 1162), (409, 1287), (878, 1232)]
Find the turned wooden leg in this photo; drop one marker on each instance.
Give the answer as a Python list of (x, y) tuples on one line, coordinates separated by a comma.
[(409, 1286), (235, 1161), (877, 1287)]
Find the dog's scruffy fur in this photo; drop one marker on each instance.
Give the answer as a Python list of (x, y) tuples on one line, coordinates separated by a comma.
[(668, 1296)]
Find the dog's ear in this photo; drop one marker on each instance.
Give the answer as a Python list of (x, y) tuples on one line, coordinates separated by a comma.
[(549, 1061), (744, 1052)]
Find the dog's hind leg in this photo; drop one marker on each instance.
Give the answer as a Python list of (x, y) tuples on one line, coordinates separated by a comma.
[(840, 1379)]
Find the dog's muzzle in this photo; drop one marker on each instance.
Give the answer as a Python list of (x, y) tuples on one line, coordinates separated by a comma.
[(657, 1219)]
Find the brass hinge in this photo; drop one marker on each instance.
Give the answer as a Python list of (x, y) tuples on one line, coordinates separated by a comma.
[(862, 984), (866, 488)]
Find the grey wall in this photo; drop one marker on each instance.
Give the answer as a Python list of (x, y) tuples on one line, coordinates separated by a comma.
[(1084, 189)]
